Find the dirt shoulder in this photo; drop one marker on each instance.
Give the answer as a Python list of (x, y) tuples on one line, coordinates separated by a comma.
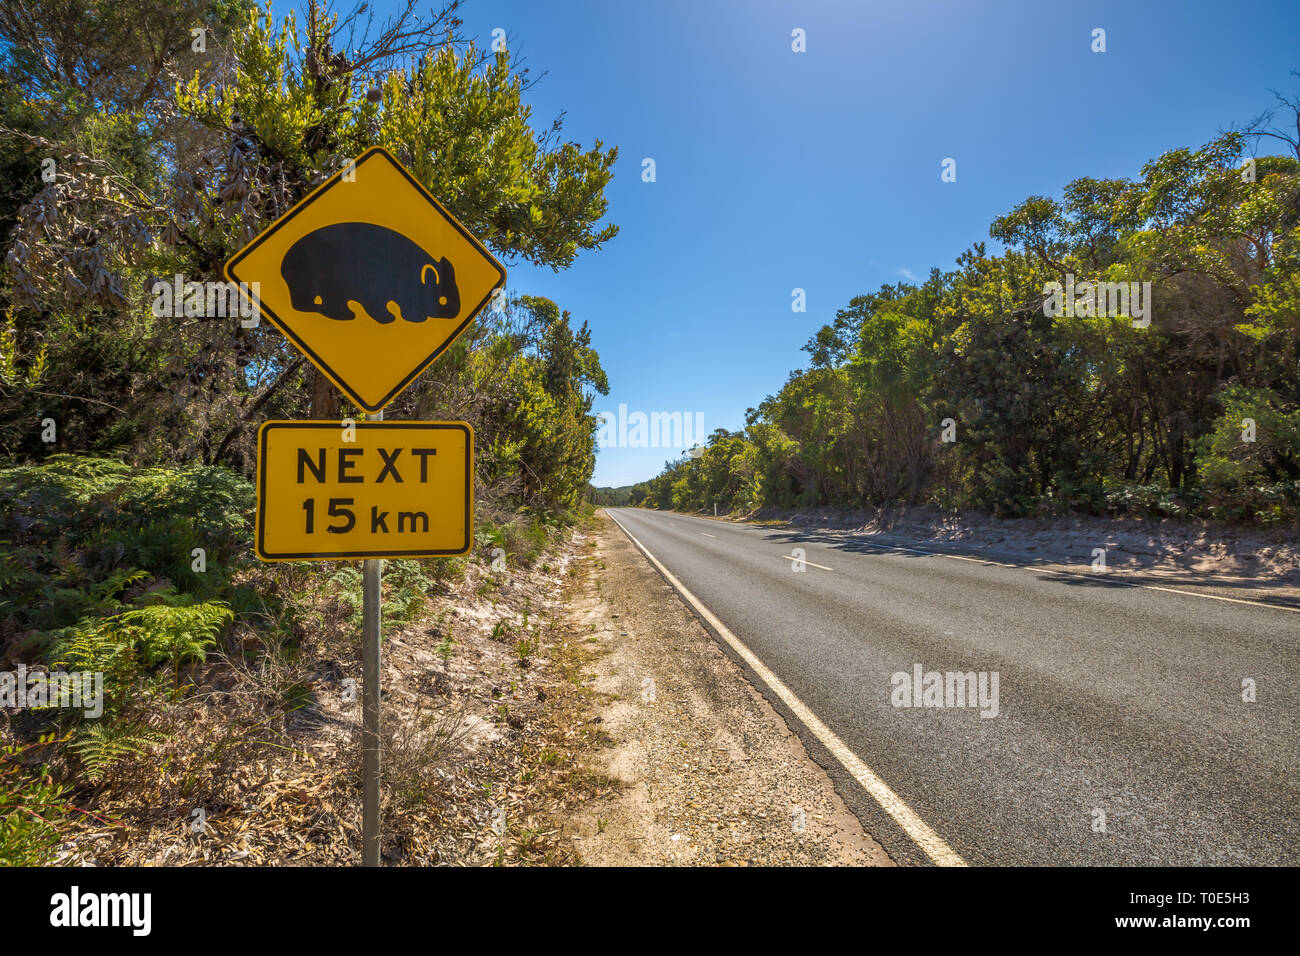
[(707, 772)]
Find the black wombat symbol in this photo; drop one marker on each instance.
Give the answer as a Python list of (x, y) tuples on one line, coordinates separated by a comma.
[(372, 266)]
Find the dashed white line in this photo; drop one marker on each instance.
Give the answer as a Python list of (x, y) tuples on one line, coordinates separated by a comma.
[(1079, 574), (791, 557), (917, 829), (1029, 567)]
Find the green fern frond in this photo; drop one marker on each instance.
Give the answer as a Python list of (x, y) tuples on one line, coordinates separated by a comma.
[(100, 745), (108, 590), (176, 632)]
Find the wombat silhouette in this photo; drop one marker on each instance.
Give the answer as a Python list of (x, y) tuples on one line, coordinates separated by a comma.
[(372, 266)]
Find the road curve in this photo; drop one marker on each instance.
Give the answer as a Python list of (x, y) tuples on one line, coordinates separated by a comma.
[(1121, 736)]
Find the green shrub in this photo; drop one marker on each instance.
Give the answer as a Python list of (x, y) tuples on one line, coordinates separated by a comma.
[(33, 808), (407, 584), (126, 648), (72, 524)]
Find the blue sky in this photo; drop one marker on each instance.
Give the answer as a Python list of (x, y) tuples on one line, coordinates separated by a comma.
[(821, 170)]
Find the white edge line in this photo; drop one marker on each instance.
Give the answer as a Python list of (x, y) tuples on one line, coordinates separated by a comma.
[(930, 842)]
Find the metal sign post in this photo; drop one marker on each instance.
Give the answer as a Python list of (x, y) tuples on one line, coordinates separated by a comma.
[(373, 570)]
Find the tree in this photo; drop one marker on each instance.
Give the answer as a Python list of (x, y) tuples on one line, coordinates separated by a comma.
[(172, 177)]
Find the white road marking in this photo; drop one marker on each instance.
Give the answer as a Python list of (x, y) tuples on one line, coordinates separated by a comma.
[(707, 535), (920, 833), (791, 557), (1029, 567)]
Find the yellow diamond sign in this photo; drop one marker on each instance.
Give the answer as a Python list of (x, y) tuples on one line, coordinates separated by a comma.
[(369, 277)]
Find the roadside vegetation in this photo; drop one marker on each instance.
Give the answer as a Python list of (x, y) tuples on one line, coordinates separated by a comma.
[(126, 439), (960, 392)]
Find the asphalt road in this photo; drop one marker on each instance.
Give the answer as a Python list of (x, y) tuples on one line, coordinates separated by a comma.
[(1116, 705)]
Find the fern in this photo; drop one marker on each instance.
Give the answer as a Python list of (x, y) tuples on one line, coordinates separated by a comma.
[(107, 591), (99, 745), (176, 633), (406, 587), (348, 581), (96, 645)]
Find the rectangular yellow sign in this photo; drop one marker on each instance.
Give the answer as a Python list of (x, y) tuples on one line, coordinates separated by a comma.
[(364, 490)]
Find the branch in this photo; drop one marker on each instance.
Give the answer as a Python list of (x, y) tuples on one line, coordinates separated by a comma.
[(79, 398), (271, 389)]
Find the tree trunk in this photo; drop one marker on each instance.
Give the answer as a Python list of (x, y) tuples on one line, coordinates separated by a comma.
[(326, 402)]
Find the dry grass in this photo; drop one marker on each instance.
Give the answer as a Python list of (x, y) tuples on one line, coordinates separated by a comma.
[(483, 750)]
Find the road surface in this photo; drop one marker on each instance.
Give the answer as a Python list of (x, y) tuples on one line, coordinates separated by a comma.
[(1121, 736)]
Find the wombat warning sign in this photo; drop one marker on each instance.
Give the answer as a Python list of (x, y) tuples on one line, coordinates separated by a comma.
[(370, 277), (326, 272)]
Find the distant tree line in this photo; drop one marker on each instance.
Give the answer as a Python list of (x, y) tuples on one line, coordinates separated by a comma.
[(613, 497), (981, 388)]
